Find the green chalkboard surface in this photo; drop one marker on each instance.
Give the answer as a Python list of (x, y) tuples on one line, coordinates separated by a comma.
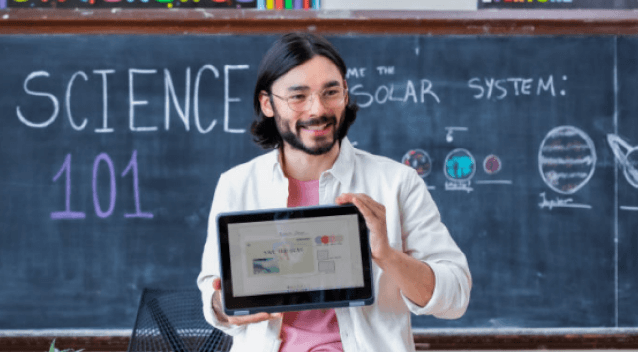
[(111, 147)]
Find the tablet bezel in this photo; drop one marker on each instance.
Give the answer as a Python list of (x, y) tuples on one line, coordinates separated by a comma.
[(300, 300)]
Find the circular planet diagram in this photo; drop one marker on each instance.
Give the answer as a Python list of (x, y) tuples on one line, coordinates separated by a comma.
[(628, 159), (566, 159), (459, 165), (419, 160), (492, 164)]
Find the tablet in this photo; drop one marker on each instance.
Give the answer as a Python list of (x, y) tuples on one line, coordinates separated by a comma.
[(294, 259)]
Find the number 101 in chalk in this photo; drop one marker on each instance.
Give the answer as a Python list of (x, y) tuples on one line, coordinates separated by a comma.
[(131, 167)]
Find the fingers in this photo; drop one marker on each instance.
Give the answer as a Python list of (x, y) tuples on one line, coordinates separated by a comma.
[(344, 198), (377, 209), (242, 320), (253, 318), (374, 215), (368, 206)]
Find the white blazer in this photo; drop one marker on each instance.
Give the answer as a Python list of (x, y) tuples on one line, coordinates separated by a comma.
[(413, 225)]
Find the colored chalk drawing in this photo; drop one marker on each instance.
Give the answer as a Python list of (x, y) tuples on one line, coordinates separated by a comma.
[(460, 165), (566, 159), (419, 160), (492, 164), (566, 162), (459, 168)]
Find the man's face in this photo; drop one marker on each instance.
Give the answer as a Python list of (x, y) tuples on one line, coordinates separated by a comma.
[(316, 130)]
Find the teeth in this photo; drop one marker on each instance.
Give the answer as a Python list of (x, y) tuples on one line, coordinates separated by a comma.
[(316, 128)]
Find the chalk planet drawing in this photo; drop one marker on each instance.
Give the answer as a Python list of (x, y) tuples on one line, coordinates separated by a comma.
[(566, 159)]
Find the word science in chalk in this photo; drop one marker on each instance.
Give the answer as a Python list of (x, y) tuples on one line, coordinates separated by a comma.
[(205, 89)]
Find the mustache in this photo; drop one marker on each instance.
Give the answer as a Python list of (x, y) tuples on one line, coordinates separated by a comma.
[(318, 121)]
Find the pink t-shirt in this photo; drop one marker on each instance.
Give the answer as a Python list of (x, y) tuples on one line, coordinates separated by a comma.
[(310, 330)]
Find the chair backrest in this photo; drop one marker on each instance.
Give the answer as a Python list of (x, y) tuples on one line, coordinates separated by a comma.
[(173, 320)]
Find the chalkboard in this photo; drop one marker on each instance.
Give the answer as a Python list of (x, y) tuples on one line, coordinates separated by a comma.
[(627, 231), (111, 147)]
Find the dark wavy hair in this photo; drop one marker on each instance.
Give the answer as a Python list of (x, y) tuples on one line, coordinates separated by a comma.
[(288, 52)]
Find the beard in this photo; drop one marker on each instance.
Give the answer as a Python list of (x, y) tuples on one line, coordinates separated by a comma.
[(294, 140)]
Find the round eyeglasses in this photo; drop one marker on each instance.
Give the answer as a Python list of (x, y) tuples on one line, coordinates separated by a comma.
[(331, 98)]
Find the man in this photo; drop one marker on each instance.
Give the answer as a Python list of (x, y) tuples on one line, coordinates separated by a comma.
[(304, 112)]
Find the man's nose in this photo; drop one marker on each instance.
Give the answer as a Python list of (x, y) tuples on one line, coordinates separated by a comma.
[(316, 106)]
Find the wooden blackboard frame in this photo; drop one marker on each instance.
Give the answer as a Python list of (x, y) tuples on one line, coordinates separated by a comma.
[(623, 339), (209, 21)]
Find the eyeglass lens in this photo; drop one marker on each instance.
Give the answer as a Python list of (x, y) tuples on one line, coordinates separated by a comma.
[(331, 97)]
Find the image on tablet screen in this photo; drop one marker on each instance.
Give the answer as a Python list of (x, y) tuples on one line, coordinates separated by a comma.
[(295, 255)]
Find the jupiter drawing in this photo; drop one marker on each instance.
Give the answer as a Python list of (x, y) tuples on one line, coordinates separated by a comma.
[(566, 159)]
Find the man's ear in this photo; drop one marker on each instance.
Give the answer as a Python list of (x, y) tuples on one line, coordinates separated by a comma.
[(266, 106)]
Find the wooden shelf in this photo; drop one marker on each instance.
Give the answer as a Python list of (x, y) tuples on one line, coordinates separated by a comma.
[(216, 21), (424, 342)]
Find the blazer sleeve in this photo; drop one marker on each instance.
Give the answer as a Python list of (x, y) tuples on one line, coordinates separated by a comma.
[(426, 238), (224, 200)]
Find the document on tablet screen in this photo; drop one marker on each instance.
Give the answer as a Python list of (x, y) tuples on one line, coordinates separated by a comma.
[(293, 255)]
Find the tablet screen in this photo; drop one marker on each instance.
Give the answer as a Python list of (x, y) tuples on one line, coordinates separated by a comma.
[(293, 255), (294, 259)]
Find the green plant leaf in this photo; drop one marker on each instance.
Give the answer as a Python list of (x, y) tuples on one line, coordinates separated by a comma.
[(52, 349)]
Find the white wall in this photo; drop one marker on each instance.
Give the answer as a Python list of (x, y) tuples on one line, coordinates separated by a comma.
[(399, 4)]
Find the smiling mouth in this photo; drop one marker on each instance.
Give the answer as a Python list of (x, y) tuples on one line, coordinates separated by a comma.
[(317, 127), (318, 130)]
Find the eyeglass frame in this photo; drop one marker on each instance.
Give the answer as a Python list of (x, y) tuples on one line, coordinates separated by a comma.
[(310, 101)]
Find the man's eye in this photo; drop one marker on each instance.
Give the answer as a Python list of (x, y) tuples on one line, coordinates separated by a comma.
[(297, 97), (331, 92)]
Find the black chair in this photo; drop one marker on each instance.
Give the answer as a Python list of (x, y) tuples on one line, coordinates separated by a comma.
[(172, 320)]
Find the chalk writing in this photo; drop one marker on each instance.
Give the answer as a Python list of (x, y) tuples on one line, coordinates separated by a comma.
[(402, 93), (67, 213), (458, 186), (385, 70), (132, 167), (450, 131), (96, 201), (498, 89), (135, 104), (560, 203), (356, 72)]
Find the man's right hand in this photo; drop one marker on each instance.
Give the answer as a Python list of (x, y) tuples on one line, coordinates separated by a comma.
[(239, 320)]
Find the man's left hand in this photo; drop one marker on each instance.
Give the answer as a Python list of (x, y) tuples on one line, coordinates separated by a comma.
[(374, 215)]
